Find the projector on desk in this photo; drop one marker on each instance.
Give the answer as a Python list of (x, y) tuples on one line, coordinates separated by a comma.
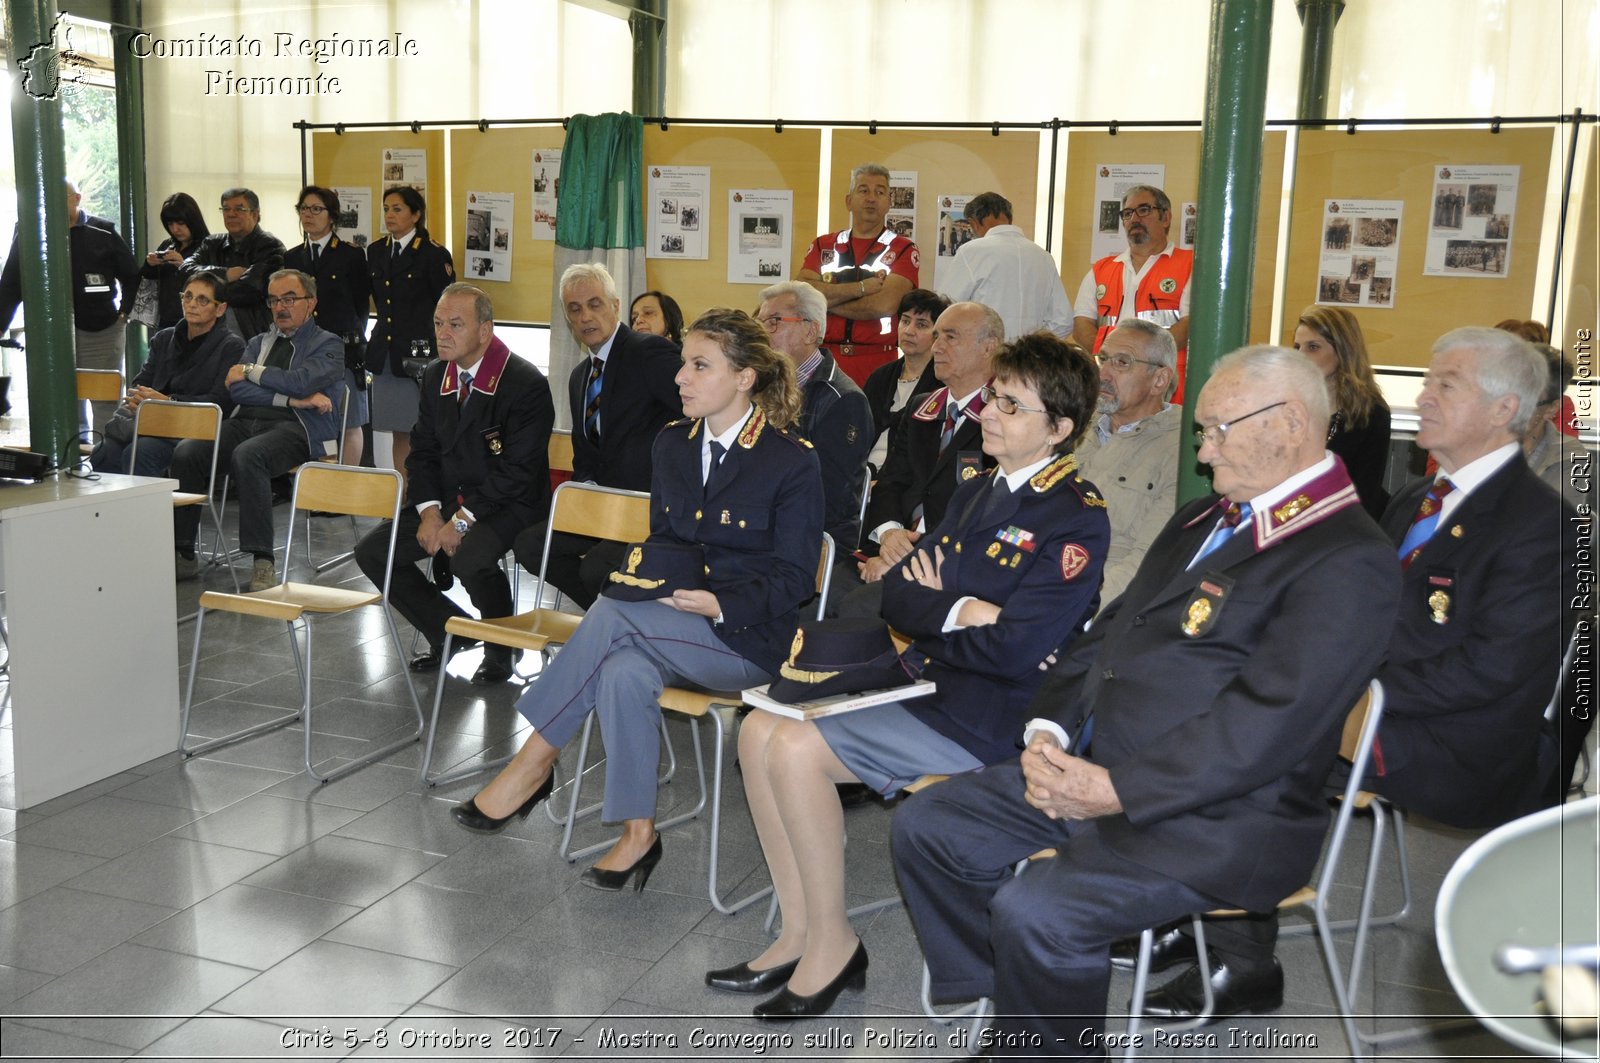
[(22, 464)]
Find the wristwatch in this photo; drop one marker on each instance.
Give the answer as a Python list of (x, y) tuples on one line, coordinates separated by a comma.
[(461, 526)]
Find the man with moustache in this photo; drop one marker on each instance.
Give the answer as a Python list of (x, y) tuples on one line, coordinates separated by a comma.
[(1150, 280), (1131, 451)]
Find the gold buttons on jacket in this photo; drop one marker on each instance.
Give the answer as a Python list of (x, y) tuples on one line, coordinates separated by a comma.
[(698, 514)]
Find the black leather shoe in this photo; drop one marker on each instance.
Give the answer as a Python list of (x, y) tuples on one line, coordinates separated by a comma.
[(1170, 948), (852, 794), (614, 881), (1236, 993), (492, 671), (426, 662), (741, 979), (787, 1005), (470, 816)]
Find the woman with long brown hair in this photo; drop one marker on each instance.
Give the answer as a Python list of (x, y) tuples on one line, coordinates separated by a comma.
[(1359, 432), (733, 490)]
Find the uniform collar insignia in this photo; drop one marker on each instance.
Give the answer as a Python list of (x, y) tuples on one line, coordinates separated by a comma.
[(485, 376), (1054, 473), (933, 409), (752, 429)]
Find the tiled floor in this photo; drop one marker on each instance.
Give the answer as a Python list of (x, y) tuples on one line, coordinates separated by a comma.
[(228, 907)]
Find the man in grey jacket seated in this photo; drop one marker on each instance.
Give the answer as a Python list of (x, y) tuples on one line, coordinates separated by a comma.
[(289, 387)]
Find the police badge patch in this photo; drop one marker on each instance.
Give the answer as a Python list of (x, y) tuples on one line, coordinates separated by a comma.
[(1074, 559)]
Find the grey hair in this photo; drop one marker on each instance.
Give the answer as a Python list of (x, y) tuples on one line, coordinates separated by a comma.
[(1507, 365), (1288, 369), (482, 306), (308, 283), (588, 271), (810, 302), (1159, 346), (1163, 204), (876, 169), (994, 326)]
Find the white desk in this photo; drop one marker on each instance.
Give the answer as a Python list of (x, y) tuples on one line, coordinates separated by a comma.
[(92, 624)]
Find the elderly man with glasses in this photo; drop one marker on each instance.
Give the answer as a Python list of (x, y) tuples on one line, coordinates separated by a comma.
[(289, 387), (244, 255), (1131, 449), (1148, 281)]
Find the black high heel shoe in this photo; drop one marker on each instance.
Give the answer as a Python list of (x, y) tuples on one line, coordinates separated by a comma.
[(742, 979), (612, 881), (470, 816), (787, 1005)]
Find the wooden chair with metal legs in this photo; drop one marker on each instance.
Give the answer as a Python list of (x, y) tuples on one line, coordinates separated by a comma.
[(97, 385), (576, 509), (168, 419), (719, 707), (336, 489)]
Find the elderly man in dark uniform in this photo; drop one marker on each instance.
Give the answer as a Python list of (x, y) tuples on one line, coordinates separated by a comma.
[(246, 256), (1188, 735), (836, 417), (620, 396), (478, 470), (1474, 656), (344, 290)]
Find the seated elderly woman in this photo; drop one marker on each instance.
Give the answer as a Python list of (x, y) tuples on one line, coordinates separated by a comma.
[(730, 481), (1011, 575)]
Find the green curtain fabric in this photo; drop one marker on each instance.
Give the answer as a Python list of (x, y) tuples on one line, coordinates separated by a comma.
[(602, 166)]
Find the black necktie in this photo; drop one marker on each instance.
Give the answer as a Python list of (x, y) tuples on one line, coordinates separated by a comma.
[(717, 452), (316, 253)]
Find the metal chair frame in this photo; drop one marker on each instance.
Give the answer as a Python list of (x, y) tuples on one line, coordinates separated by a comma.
[(170, 419), (720, 707), (334, 488)]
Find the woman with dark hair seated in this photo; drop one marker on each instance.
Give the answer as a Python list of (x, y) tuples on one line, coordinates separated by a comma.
[(734, 489), (1359, 431), (657, 314), (1011, 575)]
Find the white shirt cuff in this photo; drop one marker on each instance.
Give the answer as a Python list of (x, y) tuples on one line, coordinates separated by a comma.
[(1050, 727), (955, 611), (423, 507), (876, 535)]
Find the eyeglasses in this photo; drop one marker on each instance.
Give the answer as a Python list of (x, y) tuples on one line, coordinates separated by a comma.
[(1122, 363), (1143, 210), (237, 210), (1005, 403), (275, 301), (311, 208), (202, 301), (772, 321), (1217, 434)]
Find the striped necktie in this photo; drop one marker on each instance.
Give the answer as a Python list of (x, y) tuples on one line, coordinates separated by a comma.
[(591, 401), (464, 387), (1424, 523), (952, 413), (1232, 517)]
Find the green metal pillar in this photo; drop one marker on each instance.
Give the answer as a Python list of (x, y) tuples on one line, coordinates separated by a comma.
[(129, 73), (38, 149), (648, 23), (1317, 19), (1230, 195)]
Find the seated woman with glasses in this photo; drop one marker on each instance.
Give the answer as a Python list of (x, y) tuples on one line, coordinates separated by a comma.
[(1359, 432), (731, 481), (1009, 576)]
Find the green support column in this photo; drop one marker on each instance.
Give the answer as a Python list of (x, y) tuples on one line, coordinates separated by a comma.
[(1230, 194), (38, 150), (129, 73), (1317, 19), (649, 27)]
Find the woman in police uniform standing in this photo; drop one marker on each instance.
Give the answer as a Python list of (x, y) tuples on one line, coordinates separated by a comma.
[(731, 481), (409, 271)]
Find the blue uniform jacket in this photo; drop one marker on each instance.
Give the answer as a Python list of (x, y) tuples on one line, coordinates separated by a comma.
[(1037, 553), (759, 520)]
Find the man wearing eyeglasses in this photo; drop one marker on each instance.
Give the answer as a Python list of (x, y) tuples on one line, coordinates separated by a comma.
[(835, 417), (1181, 746), (1131, 450), (1150, 280), (289, 387), (245, 256)]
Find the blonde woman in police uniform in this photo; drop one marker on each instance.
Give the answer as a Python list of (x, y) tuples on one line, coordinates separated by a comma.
[(730, 479)]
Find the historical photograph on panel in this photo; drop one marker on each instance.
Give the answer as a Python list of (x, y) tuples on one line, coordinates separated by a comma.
[(1474, 210)]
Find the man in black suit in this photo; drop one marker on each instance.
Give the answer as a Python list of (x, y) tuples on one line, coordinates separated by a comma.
[(478, 472), (1483, 621), (834, 416), (938, 447), (1204, 711), (620, 397)]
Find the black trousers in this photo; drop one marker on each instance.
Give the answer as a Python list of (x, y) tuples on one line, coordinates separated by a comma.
[(578, 567), (476, 564), (1038, 943)]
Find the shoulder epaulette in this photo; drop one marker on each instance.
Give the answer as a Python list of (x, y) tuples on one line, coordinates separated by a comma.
[(752, 429)]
